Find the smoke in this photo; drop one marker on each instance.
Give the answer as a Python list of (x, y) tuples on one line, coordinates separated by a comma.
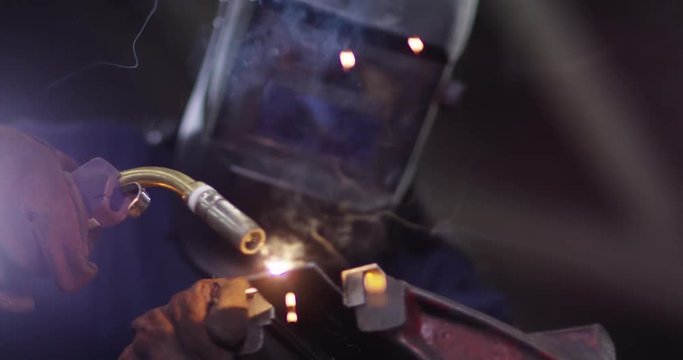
[(302, 229)]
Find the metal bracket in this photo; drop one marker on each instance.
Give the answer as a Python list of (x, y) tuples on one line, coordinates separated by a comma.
[(261, 313), (378, 299)]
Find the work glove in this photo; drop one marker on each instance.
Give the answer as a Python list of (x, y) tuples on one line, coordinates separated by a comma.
[(43, 220), (207, 321)]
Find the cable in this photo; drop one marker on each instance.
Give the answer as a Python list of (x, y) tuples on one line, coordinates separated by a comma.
[(136, 59)]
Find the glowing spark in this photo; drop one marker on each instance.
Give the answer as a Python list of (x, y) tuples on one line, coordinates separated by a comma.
[(416, 44), (292, 317), (290, 300), (347, 59), (375, 282), (279, 267)]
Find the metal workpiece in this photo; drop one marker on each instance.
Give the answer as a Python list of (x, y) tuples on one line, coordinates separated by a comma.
[(378, 308), (261, 313), (431, 327), (203, 200)]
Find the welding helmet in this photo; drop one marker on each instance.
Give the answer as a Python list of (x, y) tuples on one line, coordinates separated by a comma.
[(307, 113), (329, 98)]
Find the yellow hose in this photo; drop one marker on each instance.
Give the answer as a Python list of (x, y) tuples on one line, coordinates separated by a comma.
[(154, 176)]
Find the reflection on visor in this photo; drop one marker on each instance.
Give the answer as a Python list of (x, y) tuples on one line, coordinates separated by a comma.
[(416, 44), (347, 59)]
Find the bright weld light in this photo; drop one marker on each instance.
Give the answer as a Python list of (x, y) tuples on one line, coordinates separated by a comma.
[(347, 59), (278, 267), (290, 300), (416, 44), (375, 282), (292, 317)]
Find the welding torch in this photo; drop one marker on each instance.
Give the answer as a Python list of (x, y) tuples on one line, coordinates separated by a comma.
[(203, 200)]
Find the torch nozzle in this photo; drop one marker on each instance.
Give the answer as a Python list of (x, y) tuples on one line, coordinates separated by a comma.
[(203, 200)]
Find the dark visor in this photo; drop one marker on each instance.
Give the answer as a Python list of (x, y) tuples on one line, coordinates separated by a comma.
[(323, 105)]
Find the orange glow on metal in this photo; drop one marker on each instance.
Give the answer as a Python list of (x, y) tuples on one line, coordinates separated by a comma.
[(347, 59), (290, 300), (375, 282), (292, 317), (416, 44)]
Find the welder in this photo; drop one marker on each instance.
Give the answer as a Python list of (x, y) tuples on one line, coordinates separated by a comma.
[(311, 117), (308, 115)]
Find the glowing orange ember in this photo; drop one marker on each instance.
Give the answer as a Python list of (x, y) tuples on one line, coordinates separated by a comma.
[(292, 317), (347, 59), (416, 44), (290, 300)]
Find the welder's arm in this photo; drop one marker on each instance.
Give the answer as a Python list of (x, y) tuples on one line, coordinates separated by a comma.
[(206, 321), (43, 220)]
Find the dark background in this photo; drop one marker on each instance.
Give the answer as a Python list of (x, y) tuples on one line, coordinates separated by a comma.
[(558, 171)]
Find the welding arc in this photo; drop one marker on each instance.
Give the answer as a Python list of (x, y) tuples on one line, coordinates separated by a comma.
[(136, 59)]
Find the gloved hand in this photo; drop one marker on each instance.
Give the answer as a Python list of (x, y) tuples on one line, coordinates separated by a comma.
[(207, 321), (43, 220)]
